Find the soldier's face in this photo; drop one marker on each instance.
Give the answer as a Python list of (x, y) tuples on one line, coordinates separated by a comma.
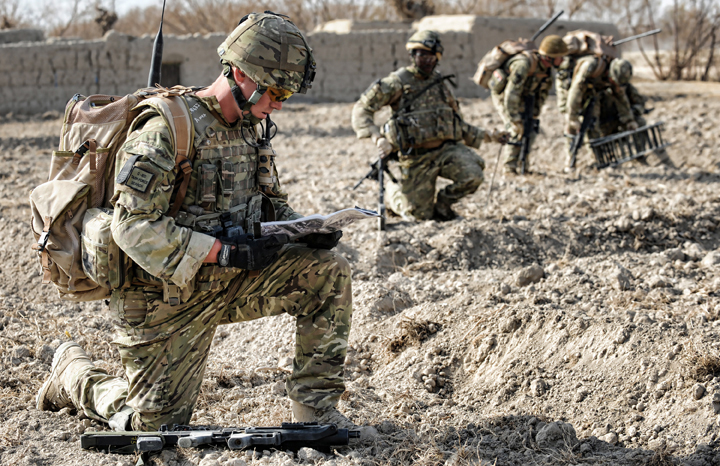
[(264, 106), (424, 60)]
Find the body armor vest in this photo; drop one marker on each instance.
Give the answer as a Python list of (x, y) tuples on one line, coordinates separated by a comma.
[(223, 197), (431, 118)]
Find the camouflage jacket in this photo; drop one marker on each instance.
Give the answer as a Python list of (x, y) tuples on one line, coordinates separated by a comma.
[(522, 83), (588, 78), (173, 249), (434, 116)]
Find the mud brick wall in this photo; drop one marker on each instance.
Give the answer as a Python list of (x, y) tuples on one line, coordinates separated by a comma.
[(38, 75)]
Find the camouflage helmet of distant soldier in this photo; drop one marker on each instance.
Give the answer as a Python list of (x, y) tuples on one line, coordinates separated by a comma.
[(425, 40), (271, 51), (621, 71)]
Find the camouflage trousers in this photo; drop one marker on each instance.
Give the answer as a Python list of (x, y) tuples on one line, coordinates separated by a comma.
[(414, 198), (511, 151), (164, 349)]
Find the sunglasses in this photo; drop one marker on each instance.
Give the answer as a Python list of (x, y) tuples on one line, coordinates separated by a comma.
[(278, 95)]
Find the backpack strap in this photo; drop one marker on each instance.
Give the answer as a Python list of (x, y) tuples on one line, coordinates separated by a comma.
[(175, 110)]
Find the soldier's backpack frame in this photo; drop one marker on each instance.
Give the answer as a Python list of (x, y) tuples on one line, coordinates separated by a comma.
[(616, 149)]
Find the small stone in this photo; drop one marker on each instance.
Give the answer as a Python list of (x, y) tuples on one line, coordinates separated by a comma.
[(538, 387), (20, 352), (209, 462), (620, 278), (657, 444), (711, 259), (62, 436), (632, 431), (698, 391), (510, 324), (694, 252), (310, 455), (505, 289), (656, 281), (529, 275), (640, 406), (557, 435), (235, 462), (610, 437)]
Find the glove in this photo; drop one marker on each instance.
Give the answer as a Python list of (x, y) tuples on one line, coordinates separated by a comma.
[(384, 146), (248, 253), (322, 240), (501, 137), (572, 127), (518, 128), (631, 126)]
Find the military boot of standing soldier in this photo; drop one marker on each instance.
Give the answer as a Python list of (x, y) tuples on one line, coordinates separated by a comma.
[(427, 131)]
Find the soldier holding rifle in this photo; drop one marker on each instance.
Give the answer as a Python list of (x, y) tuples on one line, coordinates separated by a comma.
[(426, 131)]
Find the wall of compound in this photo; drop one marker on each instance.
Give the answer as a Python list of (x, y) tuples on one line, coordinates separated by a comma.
[(37, 76)]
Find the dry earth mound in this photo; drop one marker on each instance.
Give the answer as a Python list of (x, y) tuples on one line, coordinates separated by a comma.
[(570, 320)]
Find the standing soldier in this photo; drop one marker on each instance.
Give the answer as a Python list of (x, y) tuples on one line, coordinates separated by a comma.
[(524, 79), (188, 274), (621, 72), (427, 130), (580, 83)]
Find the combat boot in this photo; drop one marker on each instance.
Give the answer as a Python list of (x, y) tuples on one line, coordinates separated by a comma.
[(55, 392), (305, 413), (443, 212)]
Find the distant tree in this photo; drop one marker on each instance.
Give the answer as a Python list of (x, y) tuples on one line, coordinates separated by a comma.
[(105, 19), (413, 9)]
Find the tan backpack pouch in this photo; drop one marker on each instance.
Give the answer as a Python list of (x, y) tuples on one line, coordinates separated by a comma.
[(58, 208)]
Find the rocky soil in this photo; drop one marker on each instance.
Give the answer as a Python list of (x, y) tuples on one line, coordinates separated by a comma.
[(571, 319)]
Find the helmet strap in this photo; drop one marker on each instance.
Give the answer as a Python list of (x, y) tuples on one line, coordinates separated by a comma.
[(244, 104)]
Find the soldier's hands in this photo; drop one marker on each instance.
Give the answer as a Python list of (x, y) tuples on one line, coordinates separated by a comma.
[(248, 253), (384, 146), (518, 128), (572, 127), (322, 240), (631, 126), (501, 137)]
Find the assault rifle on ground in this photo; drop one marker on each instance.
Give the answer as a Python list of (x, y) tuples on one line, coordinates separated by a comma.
[(289, 436), (588, 120)]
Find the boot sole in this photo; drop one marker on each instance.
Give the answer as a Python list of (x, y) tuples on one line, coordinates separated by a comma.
[(41, 401)]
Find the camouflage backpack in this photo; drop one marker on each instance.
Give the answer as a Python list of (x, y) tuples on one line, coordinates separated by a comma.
[(582, 42), (71, 212), (497, 57)]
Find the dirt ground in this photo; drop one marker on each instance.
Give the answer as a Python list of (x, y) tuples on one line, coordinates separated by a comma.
[(572, 319)]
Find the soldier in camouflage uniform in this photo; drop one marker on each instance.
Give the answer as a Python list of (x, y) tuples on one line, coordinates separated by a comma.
[(523, 76), (198, 270), (580, 79), (620, 75), (427, 131)]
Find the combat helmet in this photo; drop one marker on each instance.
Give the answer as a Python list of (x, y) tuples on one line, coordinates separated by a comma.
[(273, 52), (425, 40), (621, 71), (553, 46)]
